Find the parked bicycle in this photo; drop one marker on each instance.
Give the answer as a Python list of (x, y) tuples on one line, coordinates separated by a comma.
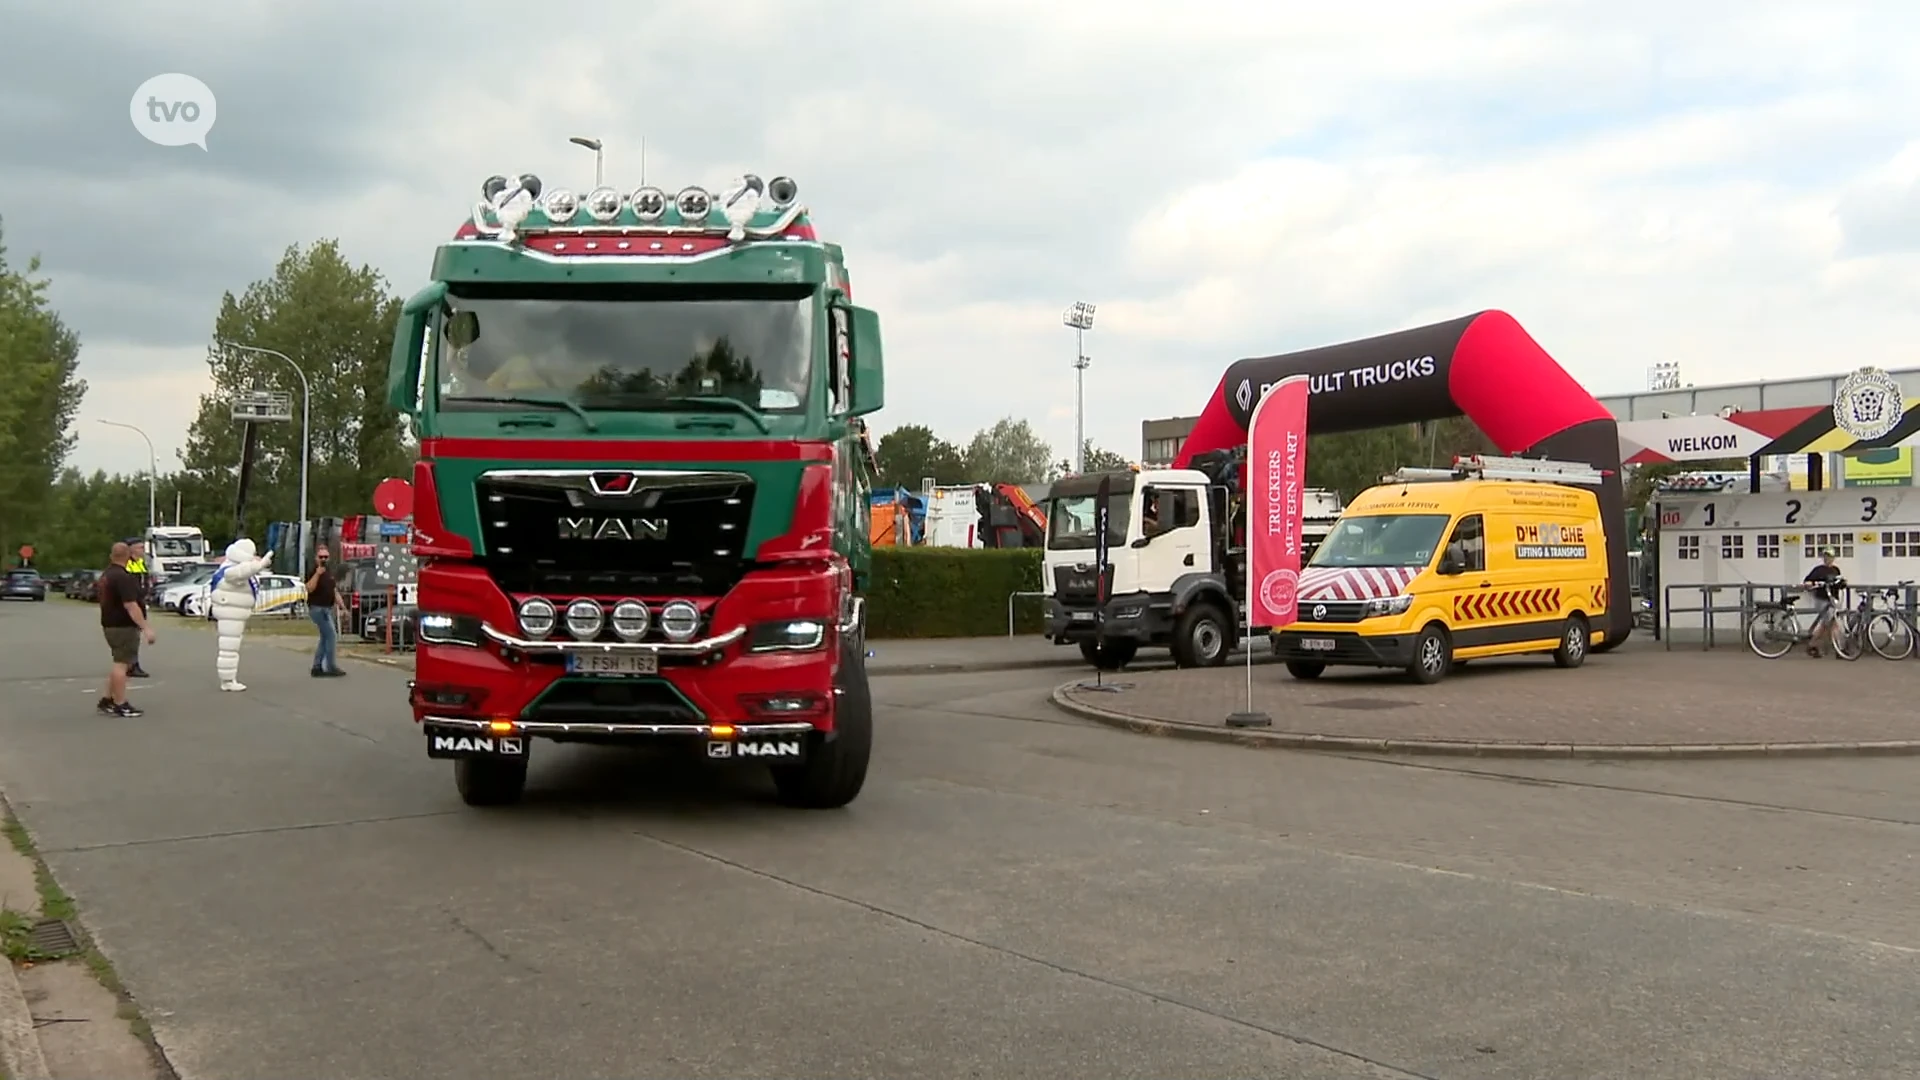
[(1891, 629), (1774, 628)]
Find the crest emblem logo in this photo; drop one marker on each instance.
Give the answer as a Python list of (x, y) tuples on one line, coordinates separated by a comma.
[(1244, 395), (1868, 404)]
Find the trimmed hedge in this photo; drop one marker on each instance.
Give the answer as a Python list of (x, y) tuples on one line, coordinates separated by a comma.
[(922, 592)]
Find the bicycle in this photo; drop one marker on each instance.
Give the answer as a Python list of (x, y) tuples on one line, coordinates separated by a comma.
[(1891, 629), (1777, 623)]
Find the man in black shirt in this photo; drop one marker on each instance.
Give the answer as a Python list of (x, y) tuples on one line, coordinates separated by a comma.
[(324, 606), (123, 622), (1823, 582)]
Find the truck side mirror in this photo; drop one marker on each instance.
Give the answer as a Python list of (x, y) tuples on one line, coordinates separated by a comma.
[(1451, 563), (410, 340), (868, 374)]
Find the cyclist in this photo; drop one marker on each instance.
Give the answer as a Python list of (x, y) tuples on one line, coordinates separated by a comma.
[(1823, 582)]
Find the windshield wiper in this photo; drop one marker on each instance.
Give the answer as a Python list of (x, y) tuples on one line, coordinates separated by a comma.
[(707, 402), (551, 403)]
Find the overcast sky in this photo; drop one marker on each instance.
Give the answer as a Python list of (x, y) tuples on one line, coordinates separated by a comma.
[(1729, 185)]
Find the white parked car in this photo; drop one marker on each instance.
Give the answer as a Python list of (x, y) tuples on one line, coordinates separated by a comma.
[(280, 595), (174, 591)]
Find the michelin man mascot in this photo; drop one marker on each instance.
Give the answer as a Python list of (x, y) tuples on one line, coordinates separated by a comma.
[(231, 595)]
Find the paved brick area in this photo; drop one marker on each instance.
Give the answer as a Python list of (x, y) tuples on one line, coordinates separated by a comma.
[(1638, 695)]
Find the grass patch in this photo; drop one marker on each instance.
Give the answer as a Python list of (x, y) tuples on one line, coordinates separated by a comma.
[(56, 904)]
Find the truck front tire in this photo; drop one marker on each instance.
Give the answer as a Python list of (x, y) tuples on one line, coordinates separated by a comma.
[(1201, 637), (490, 781), (837, 769), (1109, 654)]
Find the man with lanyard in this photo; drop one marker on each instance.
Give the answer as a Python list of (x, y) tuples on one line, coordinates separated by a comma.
[(137, 568), (325, 605), (1822, 583)]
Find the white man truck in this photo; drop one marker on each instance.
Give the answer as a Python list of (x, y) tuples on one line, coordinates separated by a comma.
[(1176, 573), (172, 549)]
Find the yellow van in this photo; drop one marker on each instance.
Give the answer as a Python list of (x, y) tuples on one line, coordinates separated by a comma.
[(1495, 557)]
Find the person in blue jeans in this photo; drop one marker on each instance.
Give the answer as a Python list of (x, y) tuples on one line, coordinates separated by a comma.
[(324, 607)]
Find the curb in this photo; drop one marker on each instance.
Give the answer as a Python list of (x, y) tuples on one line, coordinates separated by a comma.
[(1282, 740), (20, 1056), (968, 668)]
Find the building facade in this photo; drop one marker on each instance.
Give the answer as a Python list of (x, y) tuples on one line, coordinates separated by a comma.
[(1160, 439)]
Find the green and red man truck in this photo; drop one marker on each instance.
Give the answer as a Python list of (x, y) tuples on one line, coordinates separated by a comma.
[(640, 508)]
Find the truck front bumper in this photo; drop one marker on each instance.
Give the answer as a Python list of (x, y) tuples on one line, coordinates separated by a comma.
[(1141, 617)]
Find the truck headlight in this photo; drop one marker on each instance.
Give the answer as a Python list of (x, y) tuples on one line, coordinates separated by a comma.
[(584, 619), (680, 620), (537, 617), (1392, 605), (792, 635), (437, 628), (630, 620)]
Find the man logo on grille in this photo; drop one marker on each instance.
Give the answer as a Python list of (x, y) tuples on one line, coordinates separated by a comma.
[(1868, 404)]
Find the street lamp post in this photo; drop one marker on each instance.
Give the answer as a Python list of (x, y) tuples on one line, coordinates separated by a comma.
[(1080, 317), (595, 146), (306, 406), (153, 468)]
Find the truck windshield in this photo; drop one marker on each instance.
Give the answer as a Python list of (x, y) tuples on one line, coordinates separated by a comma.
[(1070, 520), (1382, 540), (177, 547), (626, 347)]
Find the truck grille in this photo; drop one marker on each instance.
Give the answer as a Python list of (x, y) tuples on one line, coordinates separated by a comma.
[(615, 532), (1075, 585)]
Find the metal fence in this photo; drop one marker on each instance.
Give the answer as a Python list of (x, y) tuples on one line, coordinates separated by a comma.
[(1699, 606)]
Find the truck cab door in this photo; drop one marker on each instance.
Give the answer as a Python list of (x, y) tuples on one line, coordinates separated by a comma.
[(1172, 541)]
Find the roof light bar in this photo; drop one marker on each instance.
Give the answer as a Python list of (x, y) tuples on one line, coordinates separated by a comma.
[(506, 203), (1486, 467)]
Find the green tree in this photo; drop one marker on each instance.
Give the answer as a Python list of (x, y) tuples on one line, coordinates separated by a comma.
[(1008, 453), (1098, 460), (39, 356), (1352, 461), (912, 452), (335, 321)]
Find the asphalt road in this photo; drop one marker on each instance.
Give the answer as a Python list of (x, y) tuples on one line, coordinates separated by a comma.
[(290, 888)]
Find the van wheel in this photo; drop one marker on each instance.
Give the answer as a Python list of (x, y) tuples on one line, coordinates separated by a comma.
[(1432, 655), (1305, 669), (1109, 654), (1573, 643), (1201, 637)]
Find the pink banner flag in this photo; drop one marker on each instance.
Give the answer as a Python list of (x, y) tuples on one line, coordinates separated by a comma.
[(1276, 490)]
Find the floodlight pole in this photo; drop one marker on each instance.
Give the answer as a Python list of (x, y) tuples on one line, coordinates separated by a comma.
[(306, 446), (595, 146), (153, 469), (1080, 317)]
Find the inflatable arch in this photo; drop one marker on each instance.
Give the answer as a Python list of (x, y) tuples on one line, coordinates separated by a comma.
[(1483, 366)]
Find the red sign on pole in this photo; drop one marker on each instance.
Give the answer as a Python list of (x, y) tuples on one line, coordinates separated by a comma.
[(393, 498), (1276, 491)]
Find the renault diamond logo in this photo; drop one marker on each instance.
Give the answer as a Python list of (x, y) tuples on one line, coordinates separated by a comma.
[(1244, 395)]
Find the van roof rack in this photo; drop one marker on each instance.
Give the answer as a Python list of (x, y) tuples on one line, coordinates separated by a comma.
[(1484, 467)]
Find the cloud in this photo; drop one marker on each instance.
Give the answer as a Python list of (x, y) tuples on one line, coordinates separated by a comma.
[(1729, 185)]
